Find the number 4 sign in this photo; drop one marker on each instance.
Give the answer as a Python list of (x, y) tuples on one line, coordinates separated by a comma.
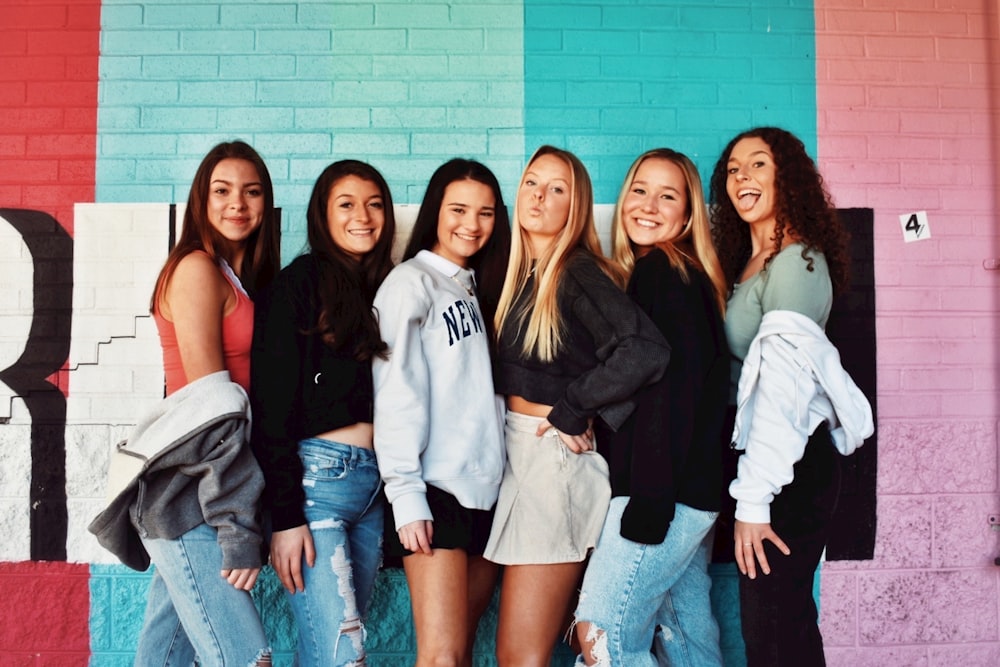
[(915, 227)]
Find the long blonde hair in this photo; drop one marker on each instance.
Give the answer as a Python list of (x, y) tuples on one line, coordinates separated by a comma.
[(541, 318), (693, 246)]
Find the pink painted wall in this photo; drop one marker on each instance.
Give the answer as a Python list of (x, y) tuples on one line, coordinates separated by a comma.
[(909, 120)]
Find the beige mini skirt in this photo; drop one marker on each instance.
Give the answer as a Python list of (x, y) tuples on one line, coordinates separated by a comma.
[(552, 502)]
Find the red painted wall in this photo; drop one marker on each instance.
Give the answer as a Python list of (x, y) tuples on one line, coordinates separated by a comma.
[(48, 104), (48, 139), (45, 618)]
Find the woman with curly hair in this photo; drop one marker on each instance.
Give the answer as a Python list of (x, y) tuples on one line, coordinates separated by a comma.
[(784, 253)]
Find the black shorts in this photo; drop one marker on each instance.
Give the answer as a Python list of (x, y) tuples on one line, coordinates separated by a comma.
[(455, 527)]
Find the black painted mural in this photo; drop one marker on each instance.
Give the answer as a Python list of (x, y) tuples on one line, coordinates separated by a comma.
[(45, 352)]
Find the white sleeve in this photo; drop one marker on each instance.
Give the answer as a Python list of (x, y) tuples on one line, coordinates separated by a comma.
[(778, 429), (402, 395)]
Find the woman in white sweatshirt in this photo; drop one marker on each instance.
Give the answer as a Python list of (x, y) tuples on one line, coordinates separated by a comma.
[(438, 421)]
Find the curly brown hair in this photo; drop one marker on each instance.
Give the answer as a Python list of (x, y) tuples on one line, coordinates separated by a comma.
[(804, 209)]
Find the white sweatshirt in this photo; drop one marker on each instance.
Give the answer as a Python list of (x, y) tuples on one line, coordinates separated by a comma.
[(437, 418), (791, 382)]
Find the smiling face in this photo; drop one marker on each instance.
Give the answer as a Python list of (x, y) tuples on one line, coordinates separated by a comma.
[(750, 183), (543, 201), (465, 221), (235, 205), (355, 215), (655, 210)]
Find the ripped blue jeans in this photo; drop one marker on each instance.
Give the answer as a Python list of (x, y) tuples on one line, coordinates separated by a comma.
[(344, 511), (648, 604)]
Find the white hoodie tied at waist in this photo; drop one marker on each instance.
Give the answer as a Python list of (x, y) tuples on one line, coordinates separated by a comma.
[(791, 382)]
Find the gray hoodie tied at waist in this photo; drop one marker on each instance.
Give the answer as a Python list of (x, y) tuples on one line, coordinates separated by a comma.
[(185, 463)]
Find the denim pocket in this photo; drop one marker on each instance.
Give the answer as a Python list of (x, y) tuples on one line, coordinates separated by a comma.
[(323, 468)]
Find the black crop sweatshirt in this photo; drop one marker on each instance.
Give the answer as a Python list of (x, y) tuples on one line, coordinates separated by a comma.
[(610, 350), (299, 387)]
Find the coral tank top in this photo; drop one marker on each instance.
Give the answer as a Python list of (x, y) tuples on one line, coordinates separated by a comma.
[(237, 335)]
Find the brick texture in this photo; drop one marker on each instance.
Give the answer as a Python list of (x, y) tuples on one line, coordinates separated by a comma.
[(685, 75), (56, 633), (117, 103), (919, 132), (303, 81), (49, 76)]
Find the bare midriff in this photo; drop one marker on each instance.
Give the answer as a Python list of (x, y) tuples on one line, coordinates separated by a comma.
[(360, 434), (523, 406)]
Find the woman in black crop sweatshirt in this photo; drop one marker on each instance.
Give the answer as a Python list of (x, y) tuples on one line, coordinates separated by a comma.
[(650, 566), (573, 350), (311, 391)]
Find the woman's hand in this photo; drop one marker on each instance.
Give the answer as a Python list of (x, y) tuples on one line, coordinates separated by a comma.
[(417, 536), (287, 550), (578, 444), (242, 578), (749, 546)]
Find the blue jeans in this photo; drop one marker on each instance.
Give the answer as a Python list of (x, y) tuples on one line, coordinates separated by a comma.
[(192, 610), (344, 511), (631, 589)]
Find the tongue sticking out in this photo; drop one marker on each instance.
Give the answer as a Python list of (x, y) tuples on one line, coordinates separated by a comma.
[(748, 200)]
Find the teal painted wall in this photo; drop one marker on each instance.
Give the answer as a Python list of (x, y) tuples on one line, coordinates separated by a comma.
[(406, 85), (402, 85), (611, 79)]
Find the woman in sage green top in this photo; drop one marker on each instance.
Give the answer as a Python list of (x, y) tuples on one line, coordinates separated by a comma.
[(787, 284), (783, 251)]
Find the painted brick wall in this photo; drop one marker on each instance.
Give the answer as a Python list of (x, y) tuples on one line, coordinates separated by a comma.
[(610, 80), (908, 121), (48, 118), (48, 91), (402, 85), (900, 105), (44, 635)]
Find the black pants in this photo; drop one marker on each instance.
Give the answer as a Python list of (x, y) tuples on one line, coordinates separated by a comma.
[(777, 610)]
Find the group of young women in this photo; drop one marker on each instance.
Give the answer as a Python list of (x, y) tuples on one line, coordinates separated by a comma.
[(506, 396)]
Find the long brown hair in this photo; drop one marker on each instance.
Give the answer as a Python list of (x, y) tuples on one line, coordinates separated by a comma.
[(347, 286), (262, 258), (804, 210)]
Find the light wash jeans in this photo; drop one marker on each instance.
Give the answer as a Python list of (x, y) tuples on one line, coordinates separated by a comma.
[(652, 595), (192, 610), (344, 511)]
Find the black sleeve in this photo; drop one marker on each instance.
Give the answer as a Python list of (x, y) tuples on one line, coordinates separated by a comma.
[(663, 424), (275, 390), (630, 352)]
